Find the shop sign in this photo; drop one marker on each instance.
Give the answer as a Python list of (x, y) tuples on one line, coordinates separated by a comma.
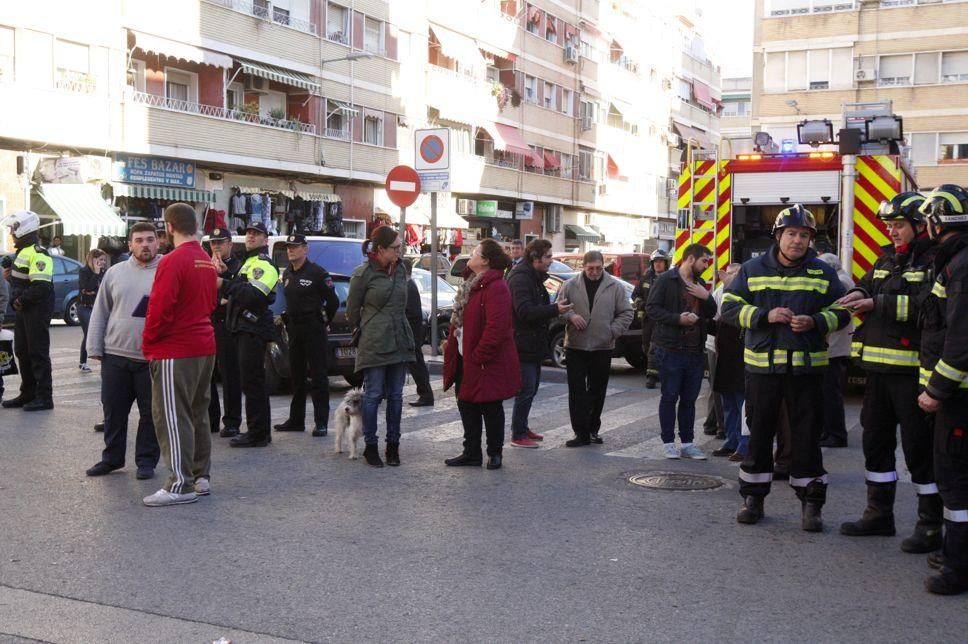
[(504, 214), (524, 210), (157, 171), (486, 208)]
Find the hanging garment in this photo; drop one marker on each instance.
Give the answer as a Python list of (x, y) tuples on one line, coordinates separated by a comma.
[(214, 219)]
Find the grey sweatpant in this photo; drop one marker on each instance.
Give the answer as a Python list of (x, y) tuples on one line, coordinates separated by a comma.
[(180, 393)]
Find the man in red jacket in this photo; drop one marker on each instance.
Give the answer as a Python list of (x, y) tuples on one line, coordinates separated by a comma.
[(179, 340)]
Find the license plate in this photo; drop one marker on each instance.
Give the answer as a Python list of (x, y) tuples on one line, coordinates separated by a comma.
[(346, 352)]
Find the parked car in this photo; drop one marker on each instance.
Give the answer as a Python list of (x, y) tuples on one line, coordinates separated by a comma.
[(626, 266), (65, 291), (460, 263), (445, 303), (424, 262)]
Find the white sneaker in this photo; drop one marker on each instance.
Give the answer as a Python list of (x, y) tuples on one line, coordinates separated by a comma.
[(163, 497), (83, 367), (203, 487), (671, 451), (691, 451)]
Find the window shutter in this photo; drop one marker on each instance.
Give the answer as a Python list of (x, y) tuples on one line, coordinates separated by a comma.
[(389, 130), (390, 41), (357, 30)]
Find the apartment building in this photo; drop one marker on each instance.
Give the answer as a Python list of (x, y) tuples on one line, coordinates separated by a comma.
[(735, 122), (813, 56)]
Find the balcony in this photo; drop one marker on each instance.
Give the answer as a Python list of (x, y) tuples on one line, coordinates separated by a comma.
[(243, 116), (267, 11), (248, 26), (77, 82), (694, 115), (460, 97)]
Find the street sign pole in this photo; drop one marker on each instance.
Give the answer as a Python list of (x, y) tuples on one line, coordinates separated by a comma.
[(403, 229), (434, 350)]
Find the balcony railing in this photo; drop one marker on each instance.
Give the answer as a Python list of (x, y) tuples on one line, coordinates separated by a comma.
[(341, 37), (177, 105), (75, 82), (266, 11), (337, 133)]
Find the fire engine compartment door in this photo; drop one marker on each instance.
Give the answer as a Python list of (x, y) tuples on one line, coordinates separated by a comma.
[(759, 188)]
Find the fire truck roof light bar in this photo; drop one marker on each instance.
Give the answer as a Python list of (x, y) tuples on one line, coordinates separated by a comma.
[(798, 155)]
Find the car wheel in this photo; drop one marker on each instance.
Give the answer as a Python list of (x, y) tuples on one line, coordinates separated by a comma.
[(354, 379), (636, 358), (558, 350), (70, 313)]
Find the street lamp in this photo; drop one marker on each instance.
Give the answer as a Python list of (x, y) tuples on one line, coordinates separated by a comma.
[(356, 55)]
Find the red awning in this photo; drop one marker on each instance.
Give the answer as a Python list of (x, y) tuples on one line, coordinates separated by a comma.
[(550, 161), (507, 138), (701, 90), (697, 136), (534, 14), (534, 160), (613, 169)]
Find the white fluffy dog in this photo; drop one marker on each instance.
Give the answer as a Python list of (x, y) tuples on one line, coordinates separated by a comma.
[(349, 416)]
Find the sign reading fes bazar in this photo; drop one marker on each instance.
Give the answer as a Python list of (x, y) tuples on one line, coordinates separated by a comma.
[(158, 171)]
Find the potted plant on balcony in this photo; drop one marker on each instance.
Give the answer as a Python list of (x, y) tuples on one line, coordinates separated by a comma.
[(250, 112), (500, 92), (276, 116), (295, 123)]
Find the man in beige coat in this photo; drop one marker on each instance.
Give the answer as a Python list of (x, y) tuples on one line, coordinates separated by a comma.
[(601, 313)]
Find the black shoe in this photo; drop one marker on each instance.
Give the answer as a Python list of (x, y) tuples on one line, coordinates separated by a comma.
[(948, 582), (39, 405), (423, 402), (578, 441), (393, 454), (19, 401), (494, 462), (936, 561), (830, 441), (463, 460), (371, 454), (102, 468), (752, 510), (320, 430), (596, 439), (709, 431), (723, 451), (720, 435), (145, 473), (289, 426), (99, 427), (651, 382), (245, 440), (781, 475), (229, 432)]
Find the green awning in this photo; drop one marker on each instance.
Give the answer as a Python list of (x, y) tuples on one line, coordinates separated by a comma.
[(79, 207), (581, 233), (280, 75), (163, 192)]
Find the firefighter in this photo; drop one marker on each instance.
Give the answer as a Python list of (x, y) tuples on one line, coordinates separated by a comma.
[(658, 264), (32, 298), (944, 376), (886, 345), (786, 301), (249, 319)]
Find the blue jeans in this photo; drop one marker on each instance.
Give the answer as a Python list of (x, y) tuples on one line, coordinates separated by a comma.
[(379, 383), (530, 379), (84, 315), (681, 378), (733, 422)]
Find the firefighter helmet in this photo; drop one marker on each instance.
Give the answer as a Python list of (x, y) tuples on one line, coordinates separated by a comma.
[(795, 215), (21, 223), (658, 253), (903, 207), (947, 206)]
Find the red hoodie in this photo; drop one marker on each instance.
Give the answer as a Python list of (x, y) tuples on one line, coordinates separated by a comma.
[(183, 296)]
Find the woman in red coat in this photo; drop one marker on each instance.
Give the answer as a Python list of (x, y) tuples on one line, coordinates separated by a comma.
[(480, 358)]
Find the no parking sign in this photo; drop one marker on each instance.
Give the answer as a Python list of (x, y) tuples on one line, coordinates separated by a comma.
[(432, 159)]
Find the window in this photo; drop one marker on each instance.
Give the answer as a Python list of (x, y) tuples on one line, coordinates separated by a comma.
[(736, 108), (774, 77), (337, 23), (338, 120), (373, 129), (280, 15), (586, 159), (73, 62), (894, 70), (180, 86), (234, 97), (954, 66), (530, 89), (568, 102), (924, 148), (550, 95), (136, 75), (534, 20), (685, 90), (588, 51), (796, 72), (6, 53), (567, 166), (818, 62), (551, 29), (373, 36), (260, 8), (926, 67), (842, 67), (953, 146)]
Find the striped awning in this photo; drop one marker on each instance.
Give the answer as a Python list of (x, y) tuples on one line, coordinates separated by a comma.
[(280, 75), (80, 209), (327, 197), (163, 192)]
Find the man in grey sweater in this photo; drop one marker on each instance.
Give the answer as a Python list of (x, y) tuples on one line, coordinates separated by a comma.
[(601, 313), (114, 338)]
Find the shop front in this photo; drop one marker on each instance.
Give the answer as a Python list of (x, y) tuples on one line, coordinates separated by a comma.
[(144, 186)]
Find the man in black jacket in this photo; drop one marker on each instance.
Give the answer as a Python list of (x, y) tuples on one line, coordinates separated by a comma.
[(532, 309), (226, 352), (679, 304), (418, 368)]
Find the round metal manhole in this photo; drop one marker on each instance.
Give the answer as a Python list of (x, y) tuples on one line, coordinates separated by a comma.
[(677, 481)]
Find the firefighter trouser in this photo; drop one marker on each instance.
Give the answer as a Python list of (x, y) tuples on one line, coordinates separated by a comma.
[(648, 349), (803, 395), (891, 399), (951, 470)]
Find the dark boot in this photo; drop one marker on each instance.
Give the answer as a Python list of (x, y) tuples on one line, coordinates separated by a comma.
[(371, 454), (651, 382), (463, 460), (947, 582), (878, 517), (936, 561), (579, 441), (927, 531), (19, 401), (752, 510), (812, 497), (393, 454), (494, 462), (953, 578)]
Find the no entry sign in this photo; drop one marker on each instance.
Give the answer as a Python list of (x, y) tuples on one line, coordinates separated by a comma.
[(403, 185)]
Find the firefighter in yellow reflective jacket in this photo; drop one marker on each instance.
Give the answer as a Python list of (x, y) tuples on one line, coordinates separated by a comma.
[(786, 302), (886, 344), (32, 297)]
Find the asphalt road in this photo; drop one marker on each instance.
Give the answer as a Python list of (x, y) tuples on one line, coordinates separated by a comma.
[(296, 543)]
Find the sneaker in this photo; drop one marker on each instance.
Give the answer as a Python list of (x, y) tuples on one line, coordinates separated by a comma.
[(670, 450), (163, 497), (691, 451), (524, 442), (203, 487), (83, 367), (535, 437)]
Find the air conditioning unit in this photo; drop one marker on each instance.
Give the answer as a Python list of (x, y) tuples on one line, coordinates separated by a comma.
[(571, 54), (466, 206), (602, 189), (255, 84), (868, 74), (586, 123)]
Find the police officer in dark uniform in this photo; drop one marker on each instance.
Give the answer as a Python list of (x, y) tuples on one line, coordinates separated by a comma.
[(249, 320), (227, 359), (308, 288), (32, 297), (658, 264)]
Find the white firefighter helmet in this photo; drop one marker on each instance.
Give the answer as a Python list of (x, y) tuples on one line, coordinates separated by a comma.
[(21, 223)]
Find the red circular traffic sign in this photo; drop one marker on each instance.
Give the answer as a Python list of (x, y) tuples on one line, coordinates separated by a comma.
[(403, 185)]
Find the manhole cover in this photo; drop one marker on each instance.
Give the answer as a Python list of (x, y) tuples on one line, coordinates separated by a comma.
[(675, 481)]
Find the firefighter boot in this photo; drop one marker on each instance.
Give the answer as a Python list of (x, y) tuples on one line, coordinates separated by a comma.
[(812, 497), (752, 510), (878, 517), (927, 531), (953, 578)]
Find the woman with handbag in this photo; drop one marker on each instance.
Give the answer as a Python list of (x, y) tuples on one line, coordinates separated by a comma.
[(480, 358), (88, 283), (376, 309)]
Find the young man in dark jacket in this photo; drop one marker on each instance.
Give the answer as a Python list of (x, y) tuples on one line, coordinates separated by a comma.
[(532, 310), (679, 304)]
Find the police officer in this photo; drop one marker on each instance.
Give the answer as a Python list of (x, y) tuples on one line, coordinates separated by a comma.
[(786, 301), (308, 288), (658, 264), (886, 345), (944, 375), (32, 297), (249, 320), (227, 358)]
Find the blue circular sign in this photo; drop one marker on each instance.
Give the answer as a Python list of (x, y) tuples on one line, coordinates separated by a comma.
[(431, 149)]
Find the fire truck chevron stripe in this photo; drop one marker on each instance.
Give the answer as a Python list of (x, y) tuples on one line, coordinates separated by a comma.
[(878, 179)]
